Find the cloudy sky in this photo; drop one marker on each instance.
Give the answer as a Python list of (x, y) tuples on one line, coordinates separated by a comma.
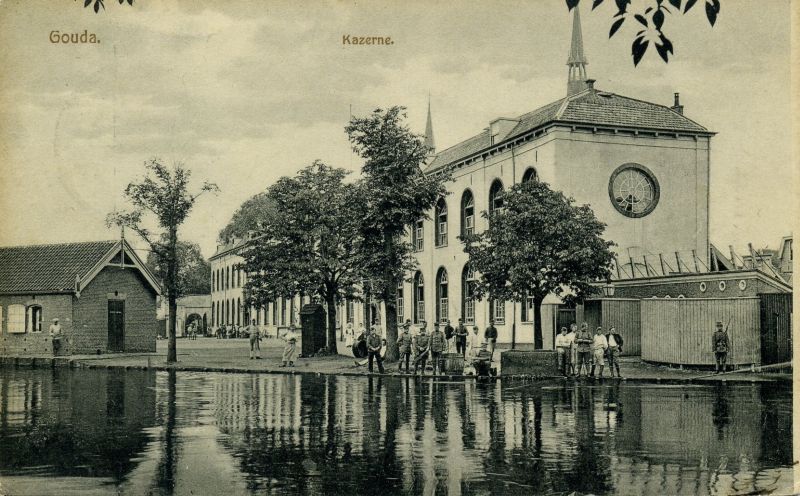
[(245, 92)]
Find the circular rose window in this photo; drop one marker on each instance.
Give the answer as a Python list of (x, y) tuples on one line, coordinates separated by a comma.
[(633, 190)]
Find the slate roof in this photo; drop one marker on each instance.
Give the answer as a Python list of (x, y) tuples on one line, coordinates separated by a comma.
[(590, 107), (48, 268)]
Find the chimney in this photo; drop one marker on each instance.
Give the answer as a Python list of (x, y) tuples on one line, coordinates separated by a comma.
[(590, 83), (677, 107)]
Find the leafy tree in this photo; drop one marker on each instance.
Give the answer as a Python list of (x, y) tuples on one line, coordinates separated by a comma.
[(99, 4), (539, 243), (310, 245), (397, 193), (194, 271), (255, 211), (162, 193), (652, 18)]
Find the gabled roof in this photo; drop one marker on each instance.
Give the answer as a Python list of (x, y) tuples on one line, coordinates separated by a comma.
[(590, 107), (54, 268)]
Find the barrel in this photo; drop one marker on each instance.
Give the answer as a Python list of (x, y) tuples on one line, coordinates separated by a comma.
[(453, 363)]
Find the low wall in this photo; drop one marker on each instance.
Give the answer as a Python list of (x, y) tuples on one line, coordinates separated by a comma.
[(541, 363)]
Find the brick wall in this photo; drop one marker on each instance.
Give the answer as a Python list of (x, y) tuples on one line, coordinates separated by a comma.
[(36, 343), (91, 312)]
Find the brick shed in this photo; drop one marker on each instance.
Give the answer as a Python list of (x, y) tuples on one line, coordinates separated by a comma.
[(101, 292)]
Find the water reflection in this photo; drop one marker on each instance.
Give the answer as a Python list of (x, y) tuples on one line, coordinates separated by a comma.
[(134, 432)]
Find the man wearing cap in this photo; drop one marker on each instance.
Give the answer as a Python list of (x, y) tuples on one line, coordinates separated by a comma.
[(721, 345), (461, 333), (599, 347), (255, 341), (614, 349), (583, 340), (562, 348), (421, 348), (438, 346), (290, 337), (491, 337), (55, 336), (404, 344), (374, 343)]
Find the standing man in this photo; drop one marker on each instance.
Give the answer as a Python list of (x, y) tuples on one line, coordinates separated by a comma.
[(449, 332), (562, 348), (421, 348), (491, 337), (720, 344), (404, 345), (438, 345), (290, 337), (374, 343), (55, 336), (461, 333), (255, 341), (599, 347), (583, 341), (475, 342), (573, 357), (614, 350)]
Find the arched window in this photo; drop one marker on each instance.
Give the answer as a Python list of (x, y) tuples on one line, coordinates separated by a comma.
[(238, 277), (441, 222), (419, 298), (495, 197), (33, 321), (417, 235), (441, 295), (227, 277), (238, 311), (400, 303), (530, 175), (467, 213), (467, 294)]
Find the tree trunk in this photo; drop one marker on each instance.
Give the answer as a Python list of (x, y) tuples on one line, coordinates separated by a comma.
[(330, 302), (172, 297), (390, 302), (538, 342)]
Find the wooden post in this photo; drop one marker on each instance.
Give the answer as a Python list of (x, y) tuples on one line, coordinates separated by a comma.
[(694, 258), (633, 268), (646, 266), (678, 259), (616, 264), (733, 256), (661, 259)]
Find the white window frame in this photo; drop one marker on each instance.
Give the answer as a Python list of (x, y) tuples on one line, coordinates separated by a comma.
[(16, 319), (400, 303), (499, 311), (419, 232)]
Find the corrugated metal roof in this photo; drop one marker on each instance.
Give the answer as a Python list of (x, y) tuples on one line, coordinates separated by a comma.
[(48, 268), (591, 107)]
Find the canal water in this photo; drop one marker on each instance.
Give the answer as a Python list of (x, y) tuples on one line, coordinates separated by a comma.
[(142, 432)]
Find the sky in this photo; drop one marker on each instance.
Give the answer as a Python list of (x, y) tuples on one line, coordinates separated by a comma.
[(243, 93)]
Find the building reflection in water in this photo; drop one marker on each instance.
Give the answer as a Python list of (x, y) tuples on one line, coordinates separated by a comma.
[(134, 432)]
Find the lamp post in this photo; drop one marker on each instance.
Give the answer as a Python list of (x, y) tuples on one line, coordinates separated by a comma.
[(608, 289)]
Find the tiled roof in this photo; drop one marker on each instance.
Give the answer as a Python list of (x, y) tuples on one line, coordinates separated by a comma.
[(591, 107), (48, 268)]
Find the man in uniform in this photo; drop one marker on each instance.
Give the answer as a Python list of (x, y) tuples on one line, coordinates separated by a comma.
[(374, 343), (562, 348), (404, 345), (599, 347), (614, 349), (491, 337), (449, 332), (421, 348), (583, 341), (720, 345), (461, 333), (438, 344), (255, 341)]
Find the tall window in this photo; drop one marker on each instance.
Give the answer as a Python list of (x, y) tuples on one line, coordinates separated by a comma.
[(238, 311), (441, 295), (283, 311), (400, 303), (350, 311), (467, 213), (417, 236), (495, 197), (33, 322), (238, 277), (227, 278), (498, 311), (291, 311), (213, 313), (275, 312), (467, 294), (1, 320), (441, 222), (419, 298), (530, 175)]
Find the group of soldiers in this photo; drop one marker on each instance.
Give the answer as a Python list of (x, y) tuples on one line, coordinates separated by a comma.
[(578, 348)]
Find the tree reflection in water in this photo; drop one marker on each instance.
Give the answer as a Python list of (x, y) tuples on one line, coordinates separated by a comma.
[(181, 433)]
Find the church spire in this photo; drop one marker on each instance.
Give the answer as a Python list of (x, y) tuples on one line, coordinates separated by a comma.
[(576, 60), (430, 143)]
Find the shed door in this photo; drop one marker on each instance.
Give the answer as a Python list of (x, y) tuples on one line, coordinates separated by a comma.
[(116, 325)]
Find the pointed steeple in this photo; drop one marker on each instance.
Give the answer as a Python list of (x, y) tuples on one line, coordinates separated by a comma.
[(430, 143), (576, 61)]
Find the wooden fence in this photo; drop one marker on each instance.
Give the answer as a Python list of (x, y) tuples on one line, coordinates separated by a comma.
[(776, 327), (622, 313), (679, 331)]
